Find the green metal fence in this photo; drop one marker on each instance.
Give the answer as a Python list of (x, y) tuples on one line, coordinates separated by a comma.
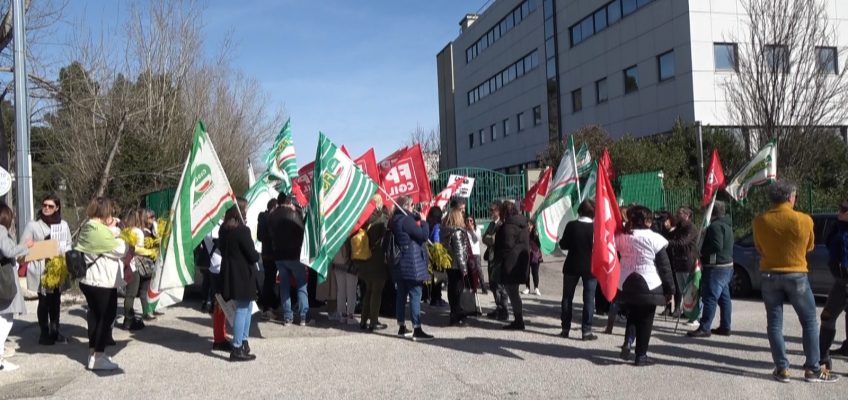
[(488, 186)]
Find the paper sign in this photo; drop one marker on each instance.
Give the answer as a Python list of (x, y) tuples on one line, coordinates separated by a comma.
[(464, 189), (43, 249), (5, 181)]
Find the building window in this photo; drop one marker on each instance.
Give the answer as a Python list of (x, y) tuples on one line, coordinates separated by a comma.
[(514, 71), (665, 65), (521, 122), (777, 58), (613, 12), (631, 79), (482, 137), (493, 133), (506, 127), (576, 100), (537, 115), (601, 19), (515, 17), (828, 63), (628, 7), (601, 90), (471, 140), (726, 56)]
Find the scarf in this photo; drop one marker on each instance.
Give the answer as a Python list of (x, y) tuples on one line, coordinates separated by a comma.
[(54, 219), (96, 238)]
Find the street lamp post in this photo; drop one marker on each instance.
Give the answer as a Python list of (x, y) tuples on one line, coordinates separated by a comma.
[(22, 161)]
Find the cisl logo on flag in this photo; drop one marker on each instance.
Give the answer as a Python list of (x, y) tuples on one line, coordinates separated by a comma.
[(400, 180), (202, 175)]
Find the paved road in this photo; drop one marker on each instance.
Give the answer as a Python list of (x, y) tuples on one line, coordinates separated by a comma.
[(172, 359)]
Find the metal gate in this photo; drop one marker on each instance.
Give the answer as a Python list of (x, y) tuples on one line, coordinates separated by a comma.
[(488, 186)]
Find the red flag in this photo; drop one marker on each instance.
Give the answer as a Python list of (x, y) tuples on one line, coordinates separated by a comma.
[(605, 164), (343, 149), (605, 264), (442, 199), (715, 179), (368, 164), (539, 189), (304, 181), (404, 174)]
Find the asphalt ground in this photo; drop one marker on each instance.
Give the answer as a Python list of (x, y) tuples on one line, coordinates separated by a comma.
[(172, 358)]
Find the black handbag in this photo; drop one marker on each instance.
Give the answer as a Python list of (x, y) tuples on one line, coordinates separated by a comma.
[(8, 287)]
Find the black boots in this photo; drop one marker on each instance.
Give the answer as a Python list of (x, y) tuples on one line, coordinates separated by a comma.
[(132, 323), (50, 335), (241, 354), (517, 325)]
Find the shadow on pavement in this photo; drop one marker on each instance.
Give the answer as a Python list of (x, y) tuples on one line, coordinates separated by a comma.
[(508, 348)]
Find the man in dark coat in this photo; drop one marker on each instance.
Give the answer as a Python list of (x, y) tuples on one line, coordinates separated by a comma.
[(577, 240), (501, 313), (512, 258), (410, 234), (268, 299), (681, 253), (286, 230)]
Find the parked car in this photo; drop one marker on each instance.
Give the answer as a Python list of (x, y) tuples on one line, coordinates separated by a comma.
[(746, 273)]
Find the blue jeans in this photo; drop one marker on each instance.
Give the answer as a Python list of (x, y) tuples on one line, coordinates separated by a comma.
[(287, 269), (715, 291), (412, 290), (795, 288), (241, 325), (569, 285)]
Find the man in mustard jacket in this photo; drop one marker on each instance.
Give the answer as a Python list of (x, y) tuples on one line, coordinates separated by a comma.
[(783, 238)]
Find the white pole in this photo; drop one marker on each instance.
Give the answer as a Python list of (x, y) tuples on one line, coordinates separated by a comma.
[(22, 168)]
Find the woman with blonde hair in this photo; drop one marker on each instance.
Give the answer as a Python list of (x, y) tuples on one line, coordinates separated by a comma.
[(455, 239)]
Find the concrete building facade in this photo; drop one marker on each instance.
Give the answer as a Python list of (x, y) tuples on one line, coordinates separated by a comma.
[(629, 66)]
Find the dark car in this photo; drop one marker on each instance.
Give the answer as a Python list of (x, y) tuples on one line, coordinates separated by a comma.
[(746, 274)]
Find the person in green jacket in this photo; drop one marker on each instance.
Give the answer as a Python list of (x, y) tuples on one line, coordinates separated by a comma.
[(717, 271)]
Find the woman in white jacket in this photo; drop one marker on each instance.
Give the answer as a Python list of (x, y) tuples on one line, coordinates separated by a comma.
[(48, 226), (11, 300), (103, 251)]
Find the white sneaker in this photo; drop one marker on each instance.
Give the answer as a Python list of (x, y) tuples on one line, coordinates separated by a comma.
[(6, 366), (537, 292), (694, 324), (525, 291), (103, 363)]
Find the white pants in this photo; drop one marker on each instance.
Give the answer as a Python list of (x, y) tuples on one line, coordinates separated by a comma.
[(345, 292), (5, 327)]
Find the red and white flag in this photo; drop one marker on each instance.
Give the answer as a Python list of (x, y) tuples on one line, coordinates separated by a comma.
[(404, 174), (714, 180), (605, 263), (368, 164), (538, 190), (442, 199)]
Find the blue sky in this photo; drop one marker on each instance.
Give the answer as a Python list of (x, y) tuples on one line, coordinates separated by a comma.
[(363, 72)]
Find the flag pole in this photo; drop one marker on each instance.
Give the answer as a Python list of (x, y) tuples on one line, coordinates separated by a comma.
[(574, 161)]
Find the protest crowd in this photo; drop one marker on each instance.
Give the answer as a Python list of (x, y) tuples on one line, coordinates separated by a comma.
[(267, 252)]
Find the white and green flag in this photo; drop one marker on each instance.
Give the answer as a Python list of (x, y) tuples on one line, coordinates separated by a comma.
[(760, 170), (588, 191), (282, 161), (340, 193), (203, 196), (556, 211), (583, 160), (257, 197)]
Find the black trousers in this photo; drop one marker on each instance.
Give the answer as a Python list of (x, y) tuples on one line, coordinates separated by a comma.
[(48, 310), (534, 273), (640, 320), (267, 298), (102, 310), (837, 300), (455, 285), (137, 288)]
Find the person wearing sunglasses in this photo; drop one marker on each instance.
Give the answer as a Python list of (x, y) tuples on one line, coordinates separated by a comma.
[(48, 225)]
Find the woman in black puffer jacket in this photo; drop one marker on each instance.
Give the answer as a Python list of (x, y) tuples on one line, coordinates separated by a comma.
[(455, 239), (645, 282), (512, 258)]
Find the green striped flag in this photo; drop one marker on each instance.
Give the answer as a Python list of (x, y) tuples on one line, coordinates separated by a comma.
[(556, 211), (257, 197), (584, 161), (760, 170), (281, 160), (203, 196), (340, 193), (588, 191)]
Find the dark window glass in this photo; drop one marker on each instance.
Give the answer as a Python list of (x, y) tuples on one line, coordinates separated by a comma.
[(631, 80), (725, 56), (576, 37), (548, 6), (519, 68), (549, 28), (534, 59), (643, 3), (550, 68), (628, 7), (496, 32), (537, 115), (550, 48), (471, 140), (510, 73), (827, 60), (516, 14), (470, 99), (484, 90), (498, 81), (601, 90), (531, 5), (484, 43), (522, 124), (502, 27), (491, 36), (525, 9), (777, 58), (614, 12), (493, 132), (482, 136), (665, 65), (506, 127), (509, 22), (576, 100), (587, 27), (600, 19)]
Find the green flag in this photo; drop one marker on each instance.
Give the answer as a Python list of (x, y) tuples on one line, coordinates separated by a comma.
[(762, 169), (588, 191), (556, 211), (282, 160), (203, 196), (340, 193), (584, 161)]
